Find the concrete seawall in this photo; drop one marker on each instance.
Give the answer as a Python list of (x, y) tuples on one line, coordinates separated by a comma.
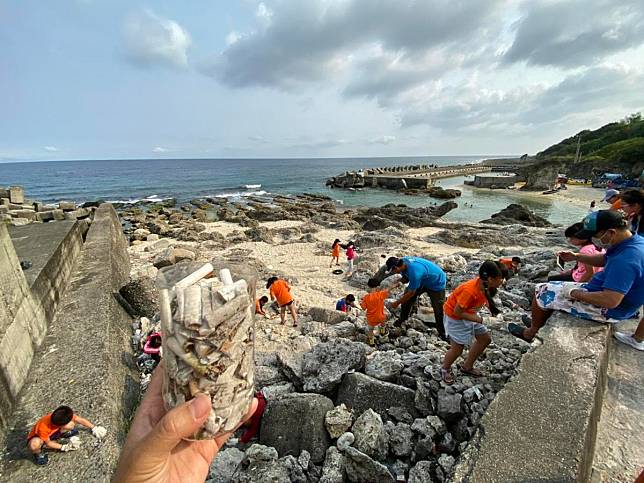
[(84, 362), (543, 425)]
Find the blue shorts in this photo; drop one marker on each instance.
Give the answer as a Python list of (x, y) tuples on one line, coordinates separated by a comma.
[(462, 331)]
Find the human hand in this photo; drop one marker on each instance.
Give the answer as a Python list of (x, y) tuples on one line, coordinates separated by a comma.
[(99, 432), (568, 291), (567, 256), (155, 449)]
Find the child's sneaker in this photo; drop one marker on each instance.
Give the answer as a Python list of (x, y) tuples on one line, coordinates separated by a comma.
[(41, 459), (371, 340)]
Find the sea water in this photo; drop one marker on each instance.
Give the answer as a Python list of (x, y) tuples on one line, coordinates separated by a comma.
[(236, 179)]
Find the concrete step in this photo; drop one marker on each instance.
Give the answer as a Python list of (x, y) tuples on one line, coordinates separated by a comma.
[(619, 454)]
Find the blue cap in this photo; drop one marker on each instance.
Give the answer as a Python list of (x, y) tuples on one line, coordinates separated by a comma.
[(599, 221)]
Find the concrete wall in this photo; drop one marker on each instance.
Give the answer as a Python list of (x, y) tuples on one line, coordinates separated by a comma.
[(543, 425), (85, 362), (22, 325), (496, 181)]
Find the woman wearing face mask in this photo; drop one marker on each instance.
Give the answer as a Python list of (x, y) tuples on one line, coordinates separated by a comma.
[(632, 203), (582, 272)]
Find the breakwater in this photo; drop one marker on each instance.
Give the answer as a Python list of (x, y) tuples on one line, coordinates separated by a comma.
[(417, 177)]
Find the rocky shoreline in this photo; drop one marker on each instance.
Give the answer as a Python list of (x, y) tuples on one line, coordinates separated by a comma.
[(363, 413)]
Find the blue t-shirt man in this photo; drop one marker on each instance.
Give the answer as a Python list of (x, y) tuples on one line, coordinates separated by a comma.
[(422, 273), (624, 273)]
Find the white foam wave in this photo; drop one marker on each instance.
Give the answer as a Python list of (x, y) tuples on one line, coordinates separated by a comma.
[(240, 194), (251, 186), (148, 199)]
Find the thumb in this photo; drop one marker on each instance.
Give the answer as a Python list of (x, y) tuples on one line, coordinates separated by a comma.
[(179, 423)]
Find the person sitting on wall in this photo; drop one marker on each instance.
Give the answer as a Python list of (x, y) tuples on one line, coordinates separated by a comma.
[(612, 295), (581, 272)]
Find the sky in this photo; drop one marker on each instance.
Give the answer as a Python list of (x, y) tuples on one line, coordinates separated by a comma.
[(119, 79)]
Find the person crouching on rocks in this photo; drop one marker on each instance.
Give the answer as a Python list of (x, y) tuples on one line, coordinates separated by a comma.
[(56, 425), (280, 291), (512, 264), (259, 306), (345, 304), (463, 323), (374, 306), (335, 253)]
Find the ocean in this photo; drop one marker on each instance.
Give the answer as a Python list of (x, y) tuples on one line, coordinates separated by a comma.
[(235, 179)]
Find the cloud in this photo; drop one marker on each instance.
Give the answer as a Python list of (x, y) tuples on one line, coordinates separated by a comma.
[(578, 32), (297, 42), (160, 149), (152, 40), (51, 149), (383, 140)]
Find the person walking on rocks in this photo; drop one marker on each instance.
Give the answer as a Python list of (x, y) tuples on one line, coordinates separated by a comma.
[(463, 322), (374, 306), (351, 255), (335, 253), (424, 277), (281, 292), (613, 295)]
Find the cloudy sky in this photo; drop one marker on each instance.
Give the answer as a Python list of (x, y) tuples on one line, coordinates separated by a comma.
[(83, 79)]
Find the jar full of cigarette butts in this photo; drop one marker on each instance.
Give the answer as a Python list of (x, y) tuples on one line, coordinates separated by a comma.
[(207, 319)]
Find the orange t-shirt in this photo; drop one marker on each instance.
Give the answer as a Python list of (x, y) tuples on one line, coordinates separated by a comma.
[(468, 295), (374, 304), (336, 250), (617, 205), (44, 428), (280, 290), (507, 262)]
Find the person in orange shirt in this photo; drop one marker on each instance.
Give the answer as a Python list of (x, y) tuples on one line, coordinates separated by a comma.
[(374, 306), (56, 425), (335, 253), (463, 323), (613, 197), (259, 306), (280, 291), (512, 264)]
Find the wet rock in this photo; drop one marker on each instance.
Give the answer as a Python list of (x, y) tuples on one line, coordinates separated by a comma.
[(338, 421), (449, 406), (141, 294), (333, 468), (224, 465), (442, 193), (515, 213), (324, 366), (295, 422), (345, 440), (400, 439), (384, 365), (360, 468), (361, 392), (370, 435), (421, 473)]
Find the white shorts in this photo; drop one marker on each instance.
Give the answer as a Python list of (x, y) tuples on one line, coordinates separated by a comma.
[(462, 331), (350, 265), (550, 296)]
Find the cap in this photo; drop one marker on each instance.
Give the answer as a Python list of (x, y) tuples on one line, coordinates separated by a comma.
[(600, 221), (609, 194), (391, 263)]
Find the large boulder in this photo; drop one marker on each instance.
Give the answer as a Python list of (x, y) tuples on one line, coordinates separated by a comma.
[(142, 296), (384, 365), (361, 392), (515, 213), (324, 366), (327, 316), (170, 256), (295, 422), (370, 435), (361, 468)]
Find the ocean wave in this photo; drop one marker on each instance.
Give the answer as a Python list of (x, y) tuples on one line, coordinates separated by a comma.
[(251, 186), (240, 194), (147, 199)]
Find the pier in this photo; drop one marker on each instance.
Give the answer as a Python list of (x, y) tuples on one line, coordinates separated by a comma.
[(417, 177)]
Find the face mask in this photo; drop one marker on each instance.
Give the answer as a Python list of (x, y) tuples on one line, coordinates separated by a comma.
[(599, 243)]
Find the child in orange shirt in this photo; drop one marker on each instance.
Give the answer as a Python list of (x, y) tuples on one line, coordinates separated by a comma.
[(280, 291), (463, 323), (259, 306), (55, 425), (374, 306), (335, 253)]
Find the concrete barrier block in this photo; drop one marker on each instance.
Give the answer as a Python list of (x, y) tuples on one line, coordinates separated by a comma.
[(16, 354), (17, 194), (67, 205)]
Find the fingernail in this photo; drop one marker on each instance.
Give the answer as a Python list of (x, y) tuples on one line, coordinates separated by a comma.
[(200, 406)]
